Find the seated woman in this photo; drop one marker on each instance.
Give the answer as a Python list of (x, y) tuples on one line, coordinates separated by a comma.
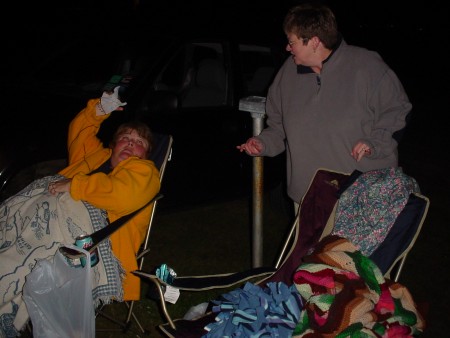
[(99, 185)]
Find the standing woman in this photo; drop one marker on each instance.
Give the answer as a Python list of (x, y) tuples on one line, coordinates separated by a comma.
[(331, 105)]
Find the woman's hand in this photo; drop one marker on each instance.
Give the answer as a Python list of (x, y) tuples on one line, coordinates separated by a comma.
[(252, 147), (109, 102), (360, 150), (60, 186)]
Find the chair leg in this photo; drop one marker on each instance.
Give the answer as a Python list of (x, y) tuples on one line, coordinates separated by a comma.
[(131, 314), (163, 303)]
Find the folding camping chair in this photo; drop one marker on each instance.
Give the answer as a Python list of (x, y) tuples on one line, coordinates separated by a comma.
[(160, 155), (314, 221)]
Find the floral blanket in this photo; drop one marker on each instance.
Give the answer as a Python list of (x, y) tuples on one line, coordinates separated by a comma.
[(33, 224), (367, 210)]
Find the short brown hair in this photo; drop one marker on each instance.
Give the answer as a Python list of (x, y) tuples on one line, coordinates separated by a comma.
[(142, 129), (308, 20)]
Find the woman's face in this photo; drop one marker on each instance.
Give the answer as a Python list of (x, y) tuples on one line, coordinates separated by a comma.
[(300, 49), (129, 144)]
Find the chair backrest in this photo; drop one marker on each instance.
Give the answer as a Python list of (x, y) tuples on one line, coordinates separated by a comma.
[(160, 155), (316, 217), (390, 256), (315, 210), (161, 152)]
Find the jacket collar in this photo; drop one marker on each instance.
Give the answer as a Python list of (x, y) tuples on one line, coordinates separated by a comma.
[(307, 70)]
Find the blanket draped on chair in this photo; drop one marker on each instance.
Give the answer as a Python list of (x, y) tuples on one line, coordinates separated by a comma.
[(367, 209), (33, 224), (346, 295)]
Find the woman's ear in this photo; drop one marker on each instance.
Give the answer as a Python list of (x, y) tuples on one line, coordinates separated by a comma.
[(315, 42)]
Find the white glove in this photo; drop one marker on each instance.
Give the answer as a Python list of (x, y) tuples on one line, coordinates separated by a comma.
[(109, 102)]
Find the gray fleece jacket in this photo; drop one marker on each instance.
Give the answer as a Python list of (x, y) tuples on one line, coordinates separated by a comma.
[(318, 119)]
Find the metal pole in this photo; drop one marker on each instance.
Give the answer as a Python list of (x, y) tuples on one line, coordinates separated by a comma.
[(256, 106)]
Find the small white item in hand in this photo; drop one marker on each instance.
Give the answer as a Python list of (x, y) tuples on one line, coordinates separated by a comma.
[(109, 102)]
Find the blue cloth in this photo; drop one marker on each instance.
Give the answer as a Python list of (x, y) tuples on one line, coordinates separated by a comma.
[(255, 312)]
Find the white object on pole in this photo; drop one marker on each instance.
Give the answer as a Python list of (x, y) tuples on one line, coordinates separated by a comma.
[(255, 105)]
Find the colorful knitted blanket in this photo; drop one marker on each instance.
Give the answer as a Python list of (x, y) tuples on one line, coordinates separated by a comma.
[(33, 224), (345, 295)]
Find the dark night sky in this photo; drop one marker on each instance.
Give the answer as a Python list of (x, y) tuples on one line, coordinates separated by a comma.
[(372, 23), (408, 35), (412, 37)]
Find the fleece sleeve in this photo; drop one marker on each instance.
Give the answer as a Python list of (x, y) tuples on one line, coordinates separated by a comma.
[(390, 106), (82, 136), (273, 136)]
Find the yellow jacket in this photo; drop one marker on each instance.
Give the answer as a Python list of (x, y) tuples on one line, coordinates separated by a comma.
[(129, 186)]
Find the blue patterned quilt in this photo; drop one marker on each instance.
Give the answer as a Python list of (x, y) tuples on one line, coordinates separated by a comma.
[(33, 224)]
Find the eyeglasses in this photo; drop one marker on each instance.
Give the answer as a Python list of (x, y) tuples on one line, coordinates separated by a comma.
[(304, 40)]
